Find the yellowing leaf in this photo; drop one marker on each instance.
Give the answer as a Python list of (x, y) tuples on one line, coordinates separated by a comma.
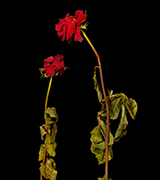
[(99, 153), (96, 135), (53, 134), (121, 131), (110, 153), (50, 113), (96, 85), (102, 125), (114, 107), (48, 171), (50, 149), (130, 104), (42, 131), (103, 178), (41, 152)]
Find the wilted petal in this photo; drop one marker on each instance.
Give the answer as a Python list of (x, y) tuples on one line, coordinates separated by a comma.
[(49, 59), (50, 71), (78, 36), (70, 29), (80, 17)]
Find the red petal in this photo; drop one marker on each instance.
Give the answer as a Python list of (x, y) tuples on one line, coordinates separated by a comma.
[(78, 36), (70, 29), (49, 59), (50, 71), (80, 17)]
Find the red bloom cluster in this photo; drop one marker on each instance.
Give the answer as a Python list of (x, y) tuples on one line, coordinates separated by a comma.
[(52, 65), (71, 25)]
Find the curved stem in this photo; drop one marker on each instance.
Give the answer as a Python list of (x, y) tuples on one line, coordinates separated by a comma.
[(45, 107), (49, 87), (106, 101)]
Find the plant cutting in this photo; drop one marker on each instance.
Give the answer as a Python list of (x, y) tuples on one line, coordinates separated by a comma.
[(113, 106), (53, 66)]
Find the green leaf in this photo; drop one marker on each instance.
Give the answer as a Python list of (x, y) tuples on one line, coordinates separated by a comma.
[(50, 148), (48, 171), (121, 131), (130, 104), (42, 131), (114, 107), (96, 85), (96, 135), (41, 152)]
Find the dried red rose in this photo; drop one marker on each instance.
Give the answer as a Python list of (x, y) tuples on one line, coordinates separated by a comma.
[(52, 65), (71, 25)]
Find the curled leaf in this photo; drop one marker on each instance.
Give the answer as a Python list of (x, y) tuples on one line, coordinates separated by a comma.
[(96, 85), (48, 170), (114, 107), (130, 104), (50, 112), (121, 131), (50, 147), (102, 125), (41, 152), (96, 136), (42, 131), (99, 153), (43, 74)]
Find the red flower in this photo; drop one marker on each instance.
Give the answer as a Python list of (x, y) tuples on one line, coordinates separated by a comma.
[(71, 25), (52, 65)]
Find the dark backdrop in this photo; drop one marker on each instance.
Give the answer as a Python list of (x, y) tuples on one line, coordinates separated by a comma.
[(124, 35)]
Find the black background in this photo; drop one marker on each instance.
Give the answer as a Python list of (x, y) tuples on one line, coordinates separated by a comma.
[(124, 35)]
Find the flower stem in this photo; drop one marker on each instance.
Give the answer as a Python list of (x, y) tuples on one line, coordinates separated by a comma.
[(46, 101), (49, 87), (106, 101)]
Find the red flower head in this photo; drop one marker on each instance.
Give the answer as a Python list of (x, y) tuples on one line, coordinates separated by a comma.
[(70, 26), (52, 65)]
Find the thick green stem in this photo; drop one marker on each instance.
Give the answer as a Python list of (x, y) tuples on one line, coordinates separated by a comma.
[(106, 101)]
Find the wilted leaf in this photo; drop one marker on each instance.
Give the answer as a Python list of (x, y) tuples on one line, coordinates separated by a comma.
[(99, 153), (53, 134), (100, 145), (102, 112), (96, 136), (42, 131), (111, 138), (96, 85), (48, 171), (121, 131), (51, 151), (43, 74), (103, 178), (130, 104), (114, 107), (110, 153), (41, 152), (52, 112), (102, 125)]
